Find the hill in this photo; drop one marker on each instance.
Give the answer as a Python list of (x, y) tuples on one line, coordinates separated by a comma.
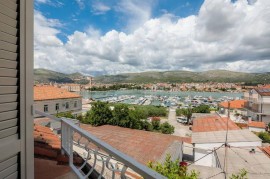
[(45, 76), (186, 76)]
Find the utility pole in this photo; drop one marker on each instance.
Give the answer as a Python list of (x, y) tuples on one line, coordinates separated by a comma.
[(226, 143)]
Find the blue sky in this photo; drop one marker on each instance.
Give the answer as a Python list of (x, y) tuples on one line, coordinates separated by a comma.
[(105, 15), (99, 37)]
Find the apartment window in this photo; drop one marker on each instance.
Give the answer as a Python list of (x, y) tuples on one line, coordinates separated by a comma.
[(57, 106), (46, 108), (67, 105), (75, 104)]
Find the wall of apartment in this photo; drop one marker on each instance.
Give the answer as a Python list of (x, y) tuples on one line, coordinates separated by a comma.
[(266, 99), (266, 119), (39, 105), (73, 88)]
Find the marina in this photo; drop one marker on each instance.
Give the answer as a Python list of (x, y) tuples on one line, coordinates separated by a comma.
[(161, 98)]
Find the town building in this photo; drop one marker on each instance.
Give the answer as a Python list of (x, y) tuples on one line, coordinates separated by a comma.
[(236, 107), (71, 87), (210, 132), (256, 126), (53, 100), (258, 104)]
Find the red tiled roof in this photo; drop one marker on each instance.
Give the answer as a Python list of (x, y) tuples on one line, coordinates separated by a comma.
[(256, 124), (212, 123), (49, 92), (235, 104), (143, 146), (263, 91), (266, 150), (47, 144)]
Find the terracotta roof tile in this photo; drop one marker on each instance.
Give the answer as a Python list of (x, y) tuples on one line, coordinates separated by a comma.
[(212, 123), (263, 91), (235, 104), (49, 92), (256, 124), (45, 135), (266, 150), (143, 146), (47, 144)]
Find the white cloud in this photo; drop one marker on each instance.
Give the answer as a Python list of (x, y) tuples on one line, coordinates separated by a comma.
[(224, 35), (135, 12), (99, 8), (54, 3), (80, 3)]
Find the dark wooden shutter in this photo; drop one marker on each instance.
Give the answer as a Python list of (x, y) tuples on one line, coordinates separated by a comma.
[(12, 89)]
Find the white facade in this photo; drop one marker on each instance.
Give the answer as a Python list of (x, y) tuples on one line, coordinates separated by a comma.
[(71, 87), (256, 129), (58, 105), (258, 107)]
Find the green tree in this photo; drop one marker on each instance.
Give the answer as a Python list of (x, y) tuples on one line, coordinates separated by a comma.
[(156, 125), (135, 119), (201, 109), (265, 136), (100, 114), (166, 128), (121, 115), (146, 125), (187, 113), (172, 170)]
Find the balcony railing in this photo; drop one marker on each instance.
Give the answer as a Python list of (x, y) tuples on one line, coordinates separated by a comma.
[(100, 156)]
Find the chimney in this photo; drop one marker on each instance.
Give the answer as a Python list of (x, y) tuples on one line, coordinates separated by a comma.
[(249, 119)]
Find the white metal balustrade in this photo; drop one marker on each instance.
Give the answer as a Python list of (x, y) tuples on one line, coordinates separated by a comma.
[(103, 158)]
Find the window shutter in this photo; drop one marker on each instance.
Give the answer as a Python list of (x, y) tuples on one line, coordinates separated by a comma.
[(13, 79)]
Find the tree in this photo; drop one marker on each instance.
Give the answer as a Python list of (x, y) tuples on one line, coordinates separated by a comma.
[(100, 114), (187, 113), (201, 109), (265, 136), (156, 125), (121, 115), (172, 170), (135, 117), (166, 128), (147, 125)]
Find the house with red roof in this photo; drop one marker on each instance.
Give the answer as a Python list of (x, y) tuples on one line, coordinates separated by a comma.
[(210, 132), (256, 126), (236, 107), (53, 100)]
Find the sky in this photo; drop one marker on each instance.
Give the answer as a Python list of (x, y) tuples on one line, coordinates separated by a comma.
[(106, 37)]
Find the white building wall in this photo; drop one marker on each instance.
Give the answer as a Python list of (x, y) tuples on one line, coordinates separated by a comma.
[(266, 119), (210, 159), (256, 129), (39, 105), (266, 99)]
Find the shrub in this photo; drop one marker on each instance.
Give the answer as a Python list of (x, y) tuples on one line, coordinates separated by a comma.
[(172, 169), (166, 128)]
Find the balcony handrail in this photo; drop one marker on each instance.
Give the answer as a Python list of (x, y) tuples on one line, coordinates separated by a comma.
[(128, 161)]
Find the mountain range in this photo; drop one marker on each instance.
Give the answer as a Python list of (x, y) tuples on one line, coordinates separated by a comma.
[(43, 75)]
